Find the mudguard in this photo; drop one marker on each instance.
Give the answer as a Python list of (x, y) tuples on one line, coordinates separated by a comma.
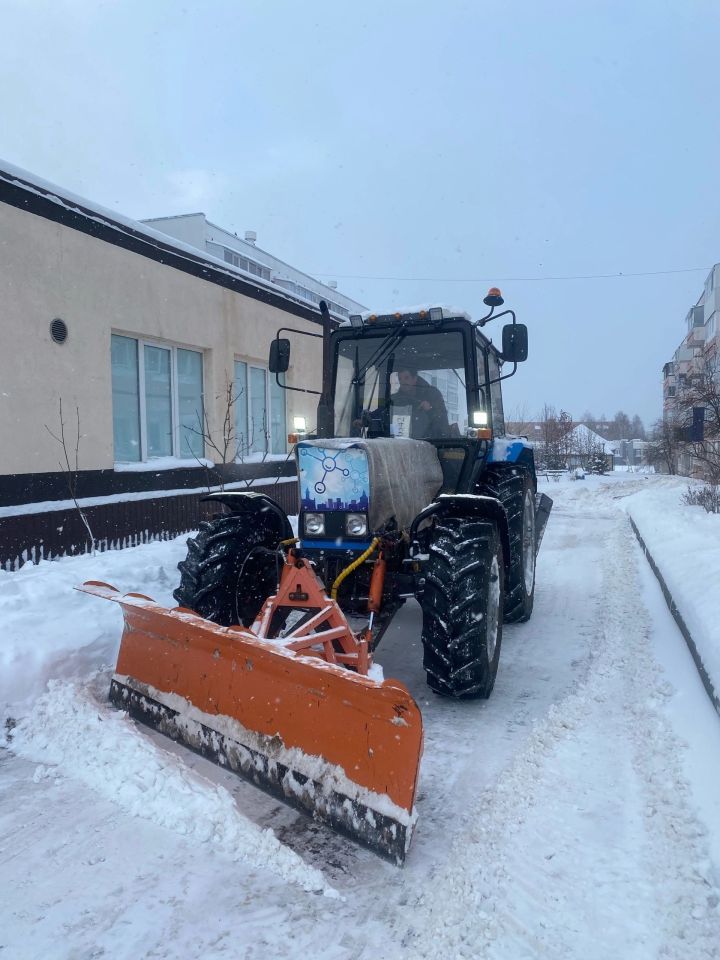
[(248, 501), (468, 505)]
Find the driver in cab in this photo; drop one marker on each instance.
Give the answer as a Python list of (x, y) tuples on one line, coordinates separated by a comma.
[(428, 417)]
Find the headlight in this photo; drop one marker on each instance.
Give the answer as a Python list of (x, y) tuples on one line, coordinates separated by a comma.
[(355, 524), (314, 524)]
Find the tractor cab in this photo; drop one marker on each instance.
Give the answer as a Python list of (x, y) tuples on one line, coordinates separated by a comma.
[(428, 374), (404, 376)]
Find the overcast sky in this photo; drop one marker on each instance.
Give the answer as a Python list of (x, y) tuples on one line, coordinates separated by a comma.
[(435, 143)]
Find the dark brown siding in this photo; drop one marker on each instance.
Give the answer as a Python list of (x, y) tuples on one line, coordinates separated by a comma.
[(36, 536)]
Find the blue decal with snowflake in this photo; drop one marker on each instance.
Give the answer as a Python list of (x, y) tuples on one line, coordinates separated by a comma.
[(333, 479)]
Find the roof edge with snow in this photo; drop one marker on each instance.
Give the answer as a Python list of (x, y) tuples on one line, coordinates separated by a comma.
[(25, 191)]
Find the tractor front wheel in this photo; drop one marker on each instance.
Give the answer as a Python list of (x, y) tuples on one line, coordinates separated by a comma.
[(462, 604), (230, 568)]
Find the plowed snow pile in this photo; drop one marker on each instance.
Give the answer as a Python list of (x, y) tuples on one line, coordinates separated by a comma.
[(50, 631), (70, 732)]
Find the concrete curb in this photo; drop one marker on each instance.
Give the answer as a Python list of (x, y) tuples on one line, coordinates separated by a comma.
[(677, 616)]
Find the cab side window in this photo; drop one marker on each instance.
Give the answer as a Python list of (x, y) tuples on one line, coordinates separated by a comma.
[(498, 417)]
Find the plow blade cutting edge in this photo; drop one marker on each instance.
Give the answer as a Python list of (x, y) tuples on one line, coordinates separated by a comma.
[(342, 747)]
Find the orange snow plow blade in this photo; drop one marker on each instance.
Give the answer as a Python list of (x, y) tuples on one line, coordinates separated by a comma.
[(340, 746)]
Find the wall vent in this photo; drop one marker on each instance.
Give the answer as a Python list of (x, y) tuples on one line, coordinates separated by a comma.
[(58, 330)]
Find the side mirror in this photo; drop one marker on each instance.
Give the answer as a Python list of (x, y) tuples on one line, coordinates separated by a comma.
[(515, 342), (279, 359)]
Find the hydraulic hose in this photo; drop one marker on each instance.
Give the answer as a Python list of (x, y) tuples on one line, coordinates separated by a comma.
[(353, 566)]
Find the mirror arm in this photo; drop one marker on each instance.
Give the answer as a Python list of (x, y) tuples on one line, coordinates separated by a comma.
[(512, 373), (303, 333), (495, 316), (483, 320), (505, 376), (506, 313), (296, 389)]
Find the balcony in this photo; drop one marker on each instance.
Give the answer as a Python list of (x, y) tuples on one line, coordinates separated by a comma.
[(696, 337)]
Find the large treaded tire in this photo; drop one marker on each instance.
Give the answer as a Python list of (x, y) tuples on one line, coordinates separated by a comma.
[(228, 574), (514, 488), (462, 604)]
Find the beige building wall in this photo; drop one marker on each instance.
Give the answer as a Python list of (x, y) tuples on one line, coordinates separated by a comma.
[(48, 270)]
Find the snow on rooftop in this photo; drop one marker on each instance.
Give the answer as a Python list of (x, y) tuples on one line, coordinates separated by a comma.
[(110, 218), (584, 434)]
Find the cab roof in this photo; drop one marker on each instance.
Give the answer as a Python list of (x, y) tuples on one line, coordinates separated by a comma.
[(416, 314)]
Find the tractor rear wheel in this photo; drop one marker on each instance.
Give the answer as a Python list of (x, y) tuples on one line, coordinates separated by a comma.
[(462, 604), (230, 568), (515, 489)]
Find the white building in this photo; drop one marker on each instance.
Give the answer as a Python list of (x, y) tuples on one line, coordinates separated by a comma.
[(197, 231)]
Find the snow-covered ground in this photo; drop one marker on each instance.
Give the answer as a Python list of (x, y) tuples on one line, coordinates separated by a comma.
[(573, 815), (684, 541)]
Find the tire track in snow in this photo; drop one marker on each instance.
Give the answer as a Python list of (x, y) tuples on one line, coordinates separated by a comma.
[(587, 846)]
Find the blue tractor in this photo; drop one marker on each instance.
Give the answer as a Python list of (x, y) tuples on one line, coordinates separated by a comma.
[(409, 488)]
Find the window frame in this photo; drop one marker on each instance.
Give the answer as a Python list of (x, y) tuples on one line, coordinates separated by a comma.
[(282, 440), (176, 440)]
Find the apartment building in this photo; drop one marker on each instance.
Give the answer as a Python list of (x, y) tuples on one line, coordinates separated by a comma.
[(695, 356)]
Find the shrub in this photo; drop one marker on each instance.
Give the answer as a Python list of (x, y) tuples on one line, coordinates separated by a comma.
[(707, 496)]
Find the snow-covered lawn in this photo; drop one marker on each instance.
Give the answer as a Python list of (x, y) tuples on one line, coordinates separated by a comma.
[(573, 815)]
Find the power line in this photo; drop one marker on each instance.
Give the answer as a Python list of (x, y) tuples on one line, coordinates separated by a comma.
[(589, 276)]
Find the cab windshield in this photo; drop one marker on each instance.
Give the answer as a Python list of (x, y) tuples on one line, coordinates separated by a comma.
[(412, 387)]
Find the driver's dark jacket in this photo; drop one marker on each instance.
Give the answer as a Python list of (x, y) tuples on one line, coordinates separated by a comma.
[(423, 423)]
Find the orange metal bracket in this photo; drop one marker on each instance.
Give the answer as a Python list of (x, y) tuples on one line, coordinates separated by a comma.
[(327, 633)]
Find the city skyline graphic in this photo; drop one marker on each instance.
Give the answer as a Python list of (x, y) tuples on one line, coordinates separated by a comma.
[(333, 479)]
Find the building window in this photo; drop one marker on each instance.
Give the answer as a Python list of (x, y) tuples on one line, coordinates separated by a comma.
[(190, 401), (251, 423), (260, 421), (258, 425), (157, 400), (278, 427), (711, 327), (126, 399), (256, 269)]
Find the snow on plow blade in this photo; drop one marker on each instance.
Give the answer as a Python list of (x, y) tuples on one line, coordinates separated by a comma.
[(342, 747)]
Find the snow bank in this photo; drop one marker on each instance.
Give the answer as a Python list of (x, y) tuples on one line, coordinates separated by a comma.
[(51, 631), (72, 730), (684, 542)]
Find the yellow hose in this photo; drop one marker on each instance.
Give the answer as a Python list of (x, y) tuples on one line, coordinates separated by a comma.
[(348, 570), (289, 543)]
